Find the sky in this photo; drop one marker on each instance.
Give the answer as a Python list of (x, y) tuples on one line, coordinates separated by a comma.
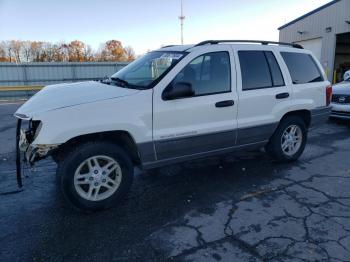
[(147, 24)]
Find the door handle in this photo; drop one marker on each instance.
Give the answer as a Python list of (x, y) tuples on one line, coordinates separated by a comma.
[(282, 95), (225, 103)]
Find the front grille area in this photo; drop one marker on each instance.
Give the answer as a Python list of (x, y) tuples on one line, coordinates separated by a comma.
[(340, 113), (341, 99)]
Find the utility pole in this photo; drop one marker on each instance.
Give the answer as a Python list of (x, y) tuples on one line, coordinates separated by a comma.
[(182, 18)]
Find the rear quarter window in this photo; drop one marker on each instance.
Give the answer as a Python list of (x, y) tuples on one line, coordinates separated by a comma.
[(302, 68)]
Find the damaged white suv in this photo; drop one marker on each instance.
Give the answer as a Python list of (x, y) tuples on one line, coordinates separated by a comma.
[(174, 104)]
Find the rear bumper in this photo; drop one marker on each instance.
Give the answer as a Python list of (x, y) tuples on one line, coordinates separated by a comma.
[(320, 116)]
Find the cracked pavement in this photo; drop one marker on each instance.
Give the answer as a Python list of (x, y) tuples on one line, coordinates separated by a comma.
[(241, 207)]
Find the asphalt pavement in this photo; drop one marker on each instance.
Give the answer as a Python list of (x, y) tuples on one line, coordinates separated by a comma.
[(243, 207)]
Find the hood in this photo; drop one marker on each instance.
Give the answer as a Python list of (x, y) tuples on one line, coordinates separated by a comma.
[(65, 95), (342, 88)]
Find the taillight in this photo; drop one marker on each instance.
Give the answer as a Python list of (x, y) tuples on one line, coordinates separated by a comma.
[(328, 95)]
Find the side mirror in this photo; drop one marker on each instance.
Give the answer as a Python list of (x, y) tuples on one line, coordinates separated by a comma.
[(178, 90)]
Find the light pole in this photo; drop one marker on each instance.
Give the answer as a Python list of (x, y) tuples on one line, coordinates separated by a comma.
[(182, 18)]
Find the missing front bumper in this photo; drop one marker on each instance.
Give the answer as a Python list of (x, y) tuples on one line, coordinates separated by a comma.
[(29, 153), (18, 154)]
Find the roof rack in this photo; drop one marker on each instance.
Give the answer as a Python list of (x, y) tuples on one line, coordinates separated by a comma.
[(215, 42), (168, 46)]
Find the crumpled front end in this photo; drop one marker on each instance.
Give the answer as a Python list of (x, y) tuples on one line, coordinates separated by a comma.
[(27, 151), (27, 134)]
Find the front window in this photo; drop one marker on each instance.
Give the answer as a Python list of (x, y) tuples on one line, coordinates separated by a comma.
[(147, 70), (208, 74)]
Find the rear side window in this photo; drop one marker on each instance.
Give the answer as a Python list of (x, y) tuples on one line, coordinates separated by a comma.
[(259, 70), (302, 68)]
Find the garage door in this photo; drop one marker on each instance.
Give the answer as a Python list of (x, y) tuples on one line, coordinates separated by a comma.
[(314, 45)]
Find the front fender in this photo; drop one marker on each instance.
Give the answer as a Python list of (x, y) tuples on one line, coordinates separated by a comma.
[(132, 114)]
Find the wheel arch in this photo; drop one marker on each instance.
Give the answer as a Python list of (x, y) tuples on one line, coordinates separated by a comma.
[(119, 137), (273, 147), (303, 114)]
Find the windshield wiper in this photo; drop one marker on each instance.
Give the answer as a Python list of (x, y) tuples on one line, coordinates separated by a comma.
[(126, 84), (105, 80), (120, 82)]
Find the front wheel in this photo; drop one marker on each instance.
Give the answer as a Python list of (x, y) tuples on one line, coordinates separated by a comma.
[(95, 175), (289, 140)]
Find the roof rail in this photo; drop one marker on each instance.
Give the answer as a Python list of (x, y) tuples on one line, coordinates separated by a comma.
[(215, 42), (168, 46)]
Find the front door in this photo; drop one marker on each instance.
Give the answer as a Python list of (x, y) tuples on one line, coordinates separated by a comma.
[(206, 121)]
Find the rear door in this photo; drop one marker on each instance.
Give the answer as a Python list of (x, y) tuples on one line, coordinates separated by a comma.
[(263, 93), (206, 121)]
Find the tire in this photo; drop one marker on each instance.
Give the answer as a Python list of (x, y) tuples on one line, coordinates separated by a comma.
[(80, 176), (274, 147)]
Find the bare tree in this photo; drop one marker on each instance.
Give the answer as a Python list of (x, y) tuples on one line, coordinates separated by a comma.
[(129, 53), (16, 47), (8, 50), (26, 51), (48, 53), (36, 51), (3, 57), (89, 55), (63, 51)]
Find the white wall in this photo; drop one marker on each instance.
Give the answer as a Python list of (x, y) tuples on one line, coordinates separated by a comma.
[(314, 45)]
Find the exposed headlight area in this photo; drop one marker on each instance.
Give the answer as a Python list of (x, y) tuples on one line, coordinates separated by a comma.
[(28, 132), (34, 128), (29, 128)]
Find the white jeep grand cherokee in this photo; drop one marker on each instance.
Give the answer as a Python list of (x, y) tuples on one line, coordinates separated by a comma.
[(174, 104)]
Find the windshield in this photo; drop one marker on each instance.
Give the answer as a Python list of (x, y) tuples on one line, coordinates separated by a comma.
[(147, 70)]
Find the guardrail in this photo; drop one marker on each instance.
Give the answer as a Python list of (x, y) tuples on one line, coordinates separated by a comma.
[(19, 88), (11, 93)]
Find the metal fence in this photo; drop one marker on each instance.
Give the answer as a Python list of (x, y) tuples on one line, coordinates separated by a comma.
[(22, 80), (40, 74)]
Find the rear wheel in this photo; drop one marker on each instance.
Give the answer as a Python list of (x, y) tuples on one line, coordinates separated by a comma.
[(289, 140), (95, 175)]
